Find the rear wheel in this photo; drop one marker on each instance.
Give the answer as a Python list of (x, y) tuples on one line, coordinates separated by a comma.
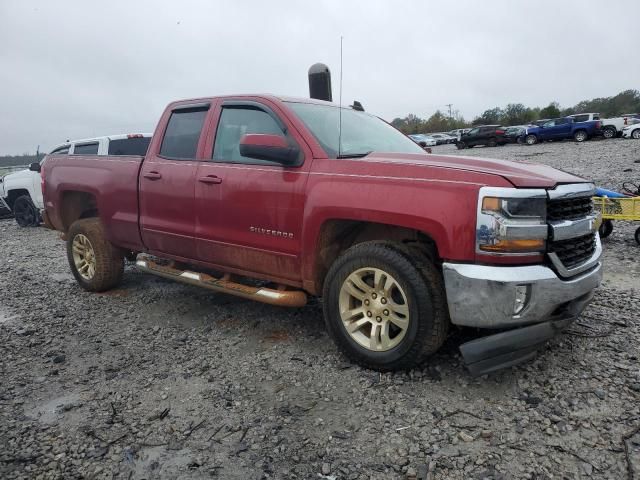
[(606, 227), (95, 263), (382, 311), (461, 145), (609, 132), (25, 212), (637, 235), (492, 142), (636, 134), (580, 136), (531, 139)]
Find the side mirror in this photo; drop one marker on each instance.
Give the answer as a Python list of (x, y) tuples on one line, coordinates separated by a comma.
[(35, 167), (269, 147)]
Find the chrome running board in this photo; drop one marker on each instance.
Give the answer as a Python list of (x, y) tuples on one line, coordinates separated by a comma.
[(280, 296)]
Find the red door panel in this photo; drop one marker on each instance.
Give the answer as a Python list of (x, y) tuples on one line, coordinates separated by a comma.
[(167, 206), (252, 218), (249, 213)]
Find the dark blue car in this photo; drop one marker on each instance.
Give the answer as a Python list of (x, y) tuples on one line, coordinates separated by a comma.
[(562, 128)]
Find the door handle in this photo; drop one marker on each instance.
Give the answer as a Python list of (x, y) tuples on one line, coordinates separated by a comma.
[(152, 175), (211, 179)]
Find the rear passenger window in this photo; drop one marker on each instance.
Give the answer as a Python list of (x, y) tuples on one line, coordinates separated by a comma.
[(236, 122), (183, 132), (86, 149), (581, 118), (129, 146)]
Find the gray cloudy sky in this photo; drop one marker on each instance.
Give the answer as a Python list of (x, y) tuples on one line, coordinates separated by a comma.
[(73, 69)]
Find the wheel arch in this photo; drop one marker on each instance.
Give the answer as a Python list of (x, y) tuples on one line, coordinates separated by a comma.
[(75, 205), (14, 194), (336, 235)]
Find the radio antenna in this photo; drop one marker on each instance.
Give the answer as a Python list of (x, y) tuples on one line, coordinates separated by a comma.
[(340, 105)]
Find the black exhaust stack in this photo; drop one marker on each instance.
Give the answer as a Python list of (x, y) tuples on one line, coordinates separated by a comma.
[(320, 82)]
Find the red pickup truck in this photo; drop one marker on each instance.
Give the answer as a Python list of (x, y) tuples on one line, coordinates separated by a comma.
[(275, 199)]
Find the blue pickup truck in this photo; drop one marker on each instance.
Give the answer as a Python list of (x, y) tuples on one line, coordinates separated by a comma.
[(561, 128)]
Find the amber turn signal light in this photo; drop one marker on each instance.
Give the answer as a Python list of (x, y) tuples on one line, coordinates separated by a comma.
[(515, 246)]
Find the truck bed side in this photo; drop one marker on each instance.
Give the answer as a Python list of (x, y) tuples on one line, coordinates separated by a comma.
[(80, 186)]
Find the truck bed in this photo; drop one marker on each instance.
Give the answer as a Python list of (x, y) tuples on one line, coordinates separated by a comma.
[(110, 181)]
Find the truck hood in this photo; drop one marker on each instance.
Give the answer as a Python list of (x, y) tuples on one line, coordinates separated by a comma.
[(19, 175), (520, 174)]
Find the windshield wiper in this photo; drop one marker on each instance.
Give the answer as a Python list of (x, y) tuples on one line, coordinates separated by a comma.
[(354, 155)]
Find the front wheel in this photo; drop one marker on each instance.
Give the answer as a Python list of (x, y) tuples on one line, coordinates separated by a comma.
[(531, 139), (25, 212), (609, 132), (95, 263), (382, 311), (461, 145), (636, 134), (580, 136), (637, 235)]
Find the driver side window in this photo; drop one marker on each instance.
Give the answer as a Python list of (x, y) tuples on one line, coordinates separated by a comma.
[(233, 124)]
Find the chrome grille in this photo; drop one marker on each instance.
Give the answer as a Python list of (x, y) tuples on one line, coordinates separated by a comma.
[(574, 251), (569, 208)]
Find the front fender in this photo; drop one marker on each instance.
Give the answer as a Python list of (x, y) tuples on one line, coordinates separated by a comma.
[(444, 211)]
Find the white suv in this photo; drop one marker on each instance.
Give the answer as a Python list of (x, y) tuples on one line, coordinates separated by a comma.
[(21, 191)]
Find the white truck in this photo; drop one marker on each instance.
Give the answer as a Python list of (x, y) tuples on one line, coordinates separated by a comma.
[(611, 127), (21, 191)]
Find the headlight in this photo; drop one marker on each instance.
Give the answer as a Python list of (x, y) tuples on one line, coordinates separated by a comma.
[(511, 221)]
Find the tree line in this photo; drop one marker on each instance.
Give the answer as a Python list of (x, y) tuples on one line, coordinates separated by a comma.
[(18, 160), (624, 102)]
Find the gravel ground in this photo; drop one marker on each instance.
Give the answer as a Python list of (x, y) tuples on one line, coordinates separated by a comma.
[(161, 380)]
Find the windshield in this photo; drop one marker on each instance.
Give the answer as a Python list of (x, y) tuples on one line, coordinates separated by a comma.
[(362, 133)]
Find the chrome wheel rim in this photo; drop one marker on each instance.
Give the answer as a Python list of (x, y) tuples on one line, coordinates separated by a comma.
[(608, 133), (374, 309), (636, 134), (580, 136), (530, 140), (84, 257)]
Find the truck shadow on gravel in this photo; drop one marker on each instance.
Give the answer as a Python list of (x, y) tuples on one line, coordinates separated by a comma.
[(261, 326)]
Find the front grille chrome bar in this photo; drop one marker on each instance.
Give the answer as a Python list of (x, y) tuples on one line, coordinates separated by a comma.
[(583, 267), (571, 191)]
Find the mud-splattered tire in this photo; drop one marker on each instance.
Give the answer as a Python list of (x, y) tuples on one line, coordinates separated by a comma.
[(95, 263), (606, 228), (416, 301), (25, 212)]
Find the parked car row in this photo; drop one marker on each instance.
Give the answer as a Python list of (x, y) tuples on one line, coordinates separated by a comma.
[(21, 191), (579, 127)]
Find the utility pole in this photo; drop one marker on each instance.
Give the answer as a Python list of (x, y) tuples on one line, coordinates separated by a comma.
[(449, 105)]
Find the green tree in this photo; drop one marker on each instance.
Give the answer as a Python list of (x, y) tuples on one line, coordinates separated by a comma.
[(516, 114), (488, 117), (550, 111)]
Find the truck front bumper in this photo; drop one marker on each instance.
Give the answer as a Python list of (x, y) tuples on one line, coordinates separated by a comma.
[(487, 297)]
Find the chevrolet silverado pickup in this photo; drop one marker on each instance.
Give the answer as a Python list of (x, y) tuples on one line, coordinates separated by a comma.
[(277, 199)]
